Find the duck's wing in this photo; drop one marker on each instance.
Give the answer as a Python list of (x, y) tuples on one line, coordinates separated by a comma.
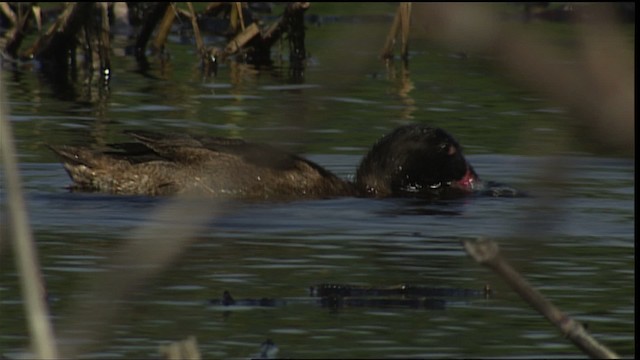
[(193, 148), (173, 147), (186, 148), (258, 154), (263, 155), (133, 152)]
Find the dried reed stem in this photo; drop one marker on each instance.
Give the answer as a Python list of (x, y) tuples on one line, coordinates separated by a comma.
[(164, 28), (196, 31), (401, 22), (33, 290)]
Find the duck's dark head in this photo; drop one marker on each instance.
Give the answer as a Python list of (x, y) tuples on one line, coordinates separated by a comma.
[(416, 160)]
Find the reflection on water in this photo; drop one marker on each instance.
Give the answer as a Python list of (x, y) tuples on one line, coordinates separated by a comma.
[(573, 237)]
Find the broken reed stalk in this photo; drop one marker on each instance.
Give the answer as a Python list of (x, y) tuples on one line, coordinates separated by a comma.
[(196, 31), (59, 38), (17, 33), (178, 350), (240, 15), (405, 24), (401, 23), (154, 17), (9, 13), (242, 39), (164, 28), (486, 252), (26, 254)]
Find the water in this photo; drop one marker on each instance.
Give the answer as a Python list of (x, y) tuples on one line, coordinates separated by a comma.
[(573, 238)]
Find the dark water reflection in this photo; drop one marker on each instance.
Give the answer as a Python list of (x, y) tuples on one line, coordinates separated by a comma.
[(573, 237)]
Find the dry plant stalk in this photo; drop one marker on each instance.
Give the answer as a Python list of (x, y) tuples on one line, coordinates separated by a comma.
[(26, 254), (164, 28), (20, 24), (196, 31), (62, 29), (9, 13), (402, 23), (487, 253), (242, 39), (236, 17), (153, 18)]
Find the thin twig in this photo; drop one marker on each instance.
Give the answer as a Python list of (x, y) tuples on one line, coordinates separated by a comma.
[(486, 252)]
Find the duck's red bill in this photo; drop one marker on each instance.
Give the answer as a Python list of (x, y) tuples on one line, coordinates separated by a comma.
[(469, 181)]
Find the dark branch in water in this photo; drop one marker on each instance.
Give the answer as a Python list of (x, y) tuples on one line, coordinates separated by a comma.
[(335, 302), (323, 290), (335, 296)]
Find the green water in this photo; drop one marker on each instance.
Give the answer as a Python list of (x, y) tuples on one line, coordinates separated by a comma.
[(573, 238)]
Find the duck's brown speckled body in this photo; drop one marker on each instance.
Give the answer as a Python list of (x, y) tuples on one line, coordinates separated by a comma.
[(413, 160)]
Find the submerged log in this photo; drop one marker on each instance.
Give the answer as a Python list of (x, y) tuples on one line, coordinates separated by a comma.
[(324, 290), (335, 302)]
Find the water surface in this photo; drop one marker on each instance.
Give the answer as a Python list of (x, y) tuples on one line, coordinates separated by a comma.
[(573, 238)]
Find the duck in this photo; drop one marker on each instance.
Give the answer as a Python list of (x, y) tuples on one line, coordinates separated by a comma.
[(413, 160)]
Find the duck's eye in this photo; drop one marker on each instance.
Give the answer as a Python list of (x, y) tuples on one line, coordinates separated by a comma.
[(446, 148)]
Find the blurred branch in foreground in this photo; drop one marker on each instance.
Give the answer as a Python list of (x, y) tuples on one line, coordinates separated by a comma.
[(597, 85), (153, 247)]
